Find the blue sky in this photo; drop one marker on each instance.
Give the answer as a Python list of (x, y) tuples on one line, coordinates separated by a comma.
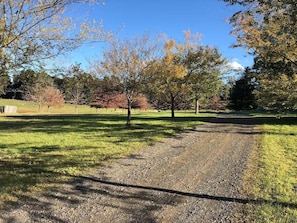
[(172, 17)]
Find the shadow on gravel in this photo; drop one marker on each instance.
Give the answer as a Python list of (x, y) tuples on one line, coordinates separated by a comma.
[(140, 203), (230, 124), (39, 210), (234, 120), (187, 194)]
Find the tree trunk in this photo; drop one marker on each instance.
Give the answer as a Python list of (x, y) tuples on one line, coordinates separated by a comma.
[(172, 106), (39, 108), (129, 103), (197, 106)]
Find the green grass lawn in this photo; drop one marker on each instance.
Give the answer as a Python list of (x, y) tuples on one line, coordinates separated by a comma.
[(273, 171), (37, 151), (26, 107)]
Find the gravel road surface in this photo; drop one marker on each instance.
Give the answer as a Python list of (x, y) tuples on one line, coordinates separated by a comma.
[(194, 176)]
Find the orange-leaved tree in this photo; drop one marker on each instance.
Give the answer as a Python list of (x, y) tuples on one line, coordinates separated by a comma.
[(52, 97), (168, 75)]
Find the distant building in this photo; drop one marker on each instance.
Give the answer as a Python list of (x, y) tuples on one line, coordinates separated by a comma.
[(8, 109)]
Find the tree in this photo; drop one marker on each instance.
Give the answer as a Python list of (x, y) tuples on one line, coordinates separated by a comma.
[(33, 30), (4, 82), (276, 93), (24, 80), (79, 86), (106, 94), (267, 28), (277, 85), (168, 75), (52, 97), (225, 88), (157, 100), (34, 90), (242, 94), (109, 100), (204, 67), (128, 60), (141, 103)]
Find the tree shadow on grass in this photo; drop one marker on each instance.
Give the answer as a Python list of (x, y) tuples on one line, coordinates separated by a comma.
[(81, 123), (41, 167), (110, 127), (42, 122)]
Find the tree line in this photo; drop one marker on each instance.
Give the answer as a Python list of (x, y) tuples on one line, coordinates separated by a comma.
[(165, 72), (138, 72)]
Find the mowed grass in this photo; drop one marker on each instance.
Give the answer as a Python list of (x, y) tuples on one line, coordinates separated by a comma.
[(38, 151), (273, 173), (26, 107)]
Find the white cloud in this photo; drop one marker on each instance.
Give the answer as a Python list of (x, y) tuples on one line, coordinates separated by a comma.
[(234, 65)]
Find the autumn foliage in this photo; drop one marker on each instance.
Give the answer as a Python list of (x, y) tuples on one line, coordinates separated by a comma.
[(118, 100), (53, 97), (267, 29)]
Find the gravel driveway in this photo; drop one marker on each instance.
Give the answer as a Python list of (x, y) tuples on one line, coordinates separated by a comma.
[(192, 177)]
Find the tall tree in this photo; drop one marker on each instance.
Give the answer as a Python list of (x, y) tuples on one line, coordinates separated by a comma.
[(22, 81), (242, 93), (34, 30), (276, 93), (204, 67), (168, 78), (128, 60), (267, 28), (78, 86), (4, 82), (277, 85)]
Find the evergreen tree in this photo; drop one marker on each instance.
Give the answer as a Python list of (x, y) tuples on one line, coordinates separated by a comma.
[(242, 93)]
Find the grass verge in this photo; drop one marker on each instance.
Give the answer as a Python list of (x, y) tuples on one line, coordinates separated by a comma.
[(271, 179), (38, 151)]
